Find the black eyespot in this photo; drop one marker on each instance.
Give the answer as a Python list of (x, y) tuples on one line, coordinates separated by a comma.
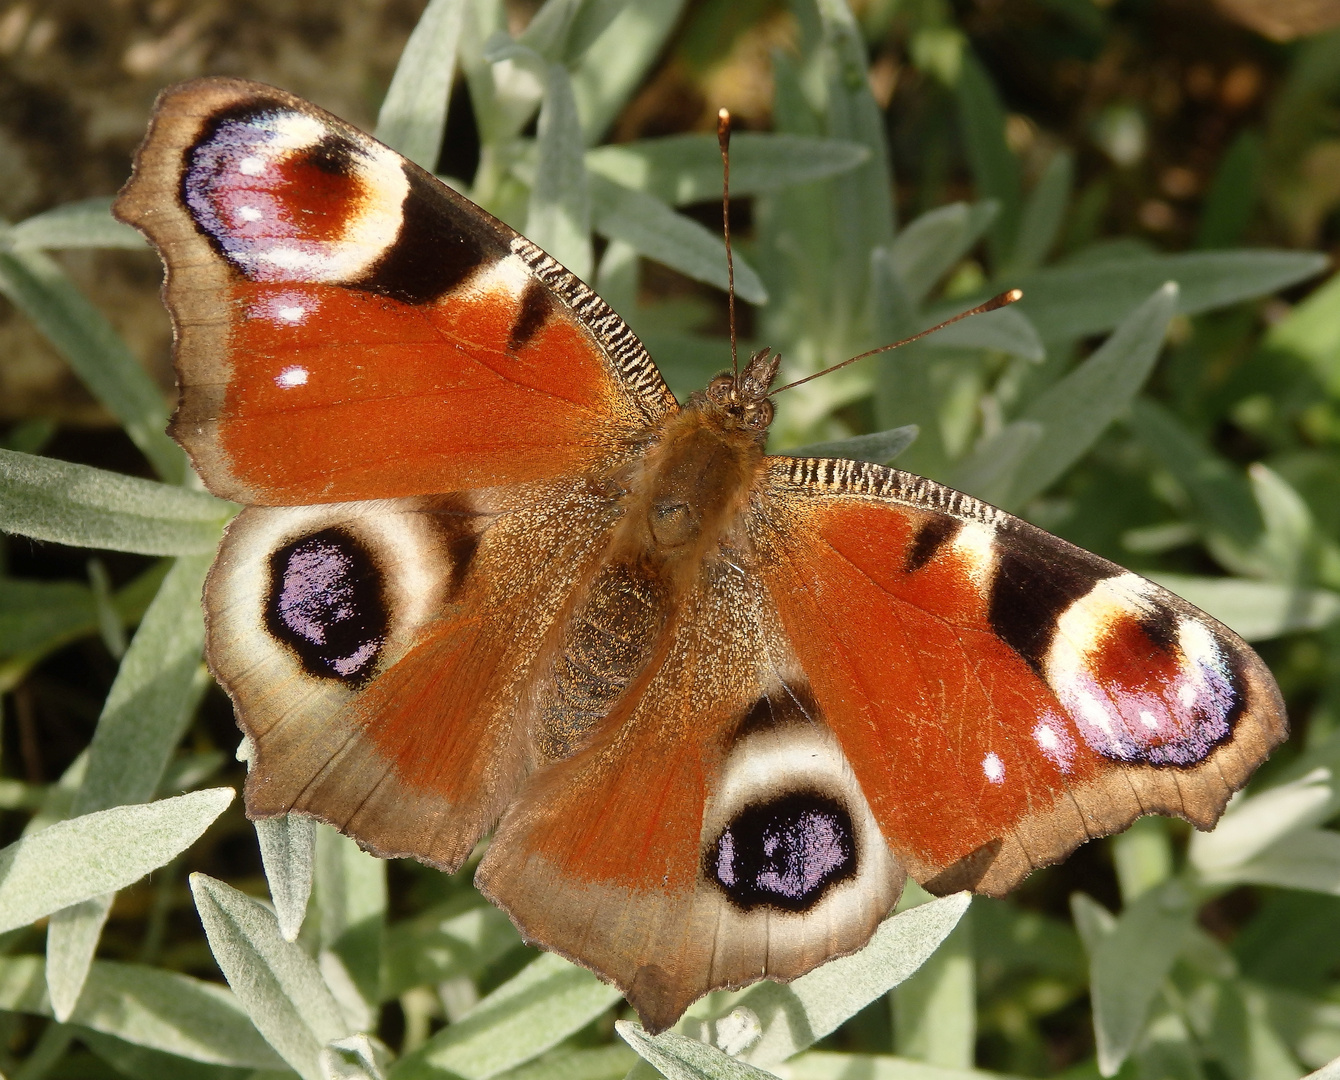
[(326, 603), (785, 853)]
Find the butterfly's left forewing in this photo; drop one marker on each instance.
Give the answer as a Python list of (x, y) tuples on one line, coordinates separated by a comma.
[(1002, 695), (350, 328)]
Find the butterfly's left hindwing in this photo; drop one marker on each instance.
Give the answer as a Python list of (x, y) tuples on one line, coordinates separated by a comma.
[(350, 328), (1002, 695)]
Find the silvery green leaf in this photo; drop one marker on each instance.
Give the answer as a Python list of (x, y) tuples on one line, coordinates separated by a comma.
[(531, 1012), (152, 698), (680, 169), (355, 1057), (36, 284), (830, 1065), (1075, 301), (613, 66), (1283, 551), (84, 224), (444, 943), (1257, 610), (1128, 964), (654, 230), (72, 939), (881, 447), (1219, 490), (559, 219), (86, 507), (1044, 213), (288, 848), (836, 991), (1004, 330), (678, 1057), (413, 115), (84, 857), (1076, 410), (147, 1006), (935, 1010), (928, 246), (991, 470), (1305, 859), (350, 888), (564, 29), (275, 981)]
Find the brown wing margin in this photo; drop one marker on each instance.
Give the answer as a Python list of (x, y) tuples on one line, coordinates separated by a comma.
[(1002, 695)]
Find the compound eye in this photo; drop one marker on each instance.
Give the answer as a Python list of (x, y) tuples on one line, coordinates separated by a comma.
[(760, 416)]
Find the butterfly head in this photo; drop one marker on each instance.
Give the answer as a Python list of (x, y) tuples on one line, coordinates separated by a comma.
[(743, 403)]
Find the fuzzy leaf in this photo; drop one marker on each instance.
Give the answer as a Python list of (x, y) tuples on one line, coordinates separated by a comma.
[(677, 1057), (35, 284), (275, 981), (1128, 965), (150, 1007), (87, 507), (288, 848), (651, 228), (680, 169), (928, 247), (1072, 301), (76, 860), (534, 1010), (559, 219), (413, 115), (84, 224)]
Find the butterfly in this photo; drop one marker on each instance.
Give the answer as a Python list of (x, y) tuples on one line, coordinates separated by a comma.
[(490, 575)]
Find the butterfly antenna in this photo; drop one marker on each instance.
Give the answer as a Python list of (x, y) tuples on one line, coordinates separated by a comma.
[(723, 140), (1003, 300)]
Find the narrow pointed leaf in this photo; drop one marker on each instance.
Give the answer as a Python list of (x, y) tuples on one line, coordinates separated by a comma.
[(544, 1004), (559, 219), (880, 447), (929, 246), (651, 228), (1044, 212), (76, 860), (1075, 301), (614, 65), (147, 1006), (84, 224), (35, 284), (72, 939), (275, 981), (1006, 330), (288, 847), (795, 1015), (677, 1057), (1076, 410), (680, 169), (87, 507), (413, 115), (1128, 965)]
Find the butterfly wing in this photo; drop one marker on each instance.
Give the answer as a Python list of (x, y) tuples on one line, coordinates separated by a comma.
[(350, 328), (710, 833), (1002, 695)]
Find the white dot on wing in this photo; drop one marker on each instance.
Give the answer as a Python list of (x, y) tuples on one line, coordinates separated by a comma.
[(291, 376), (249, 213), (1046, 737), (1148, 719), (994, 768), (292, 313), (251, 165), (1186, 694)]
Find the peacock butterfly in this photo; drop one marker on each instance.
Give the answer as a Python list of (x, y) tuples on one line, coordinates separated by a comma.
[(491, 575)]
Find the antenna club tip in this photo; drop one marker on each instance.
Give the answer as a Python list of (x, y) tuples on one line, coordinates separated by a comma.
[(723, 126), (1014, 295)]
